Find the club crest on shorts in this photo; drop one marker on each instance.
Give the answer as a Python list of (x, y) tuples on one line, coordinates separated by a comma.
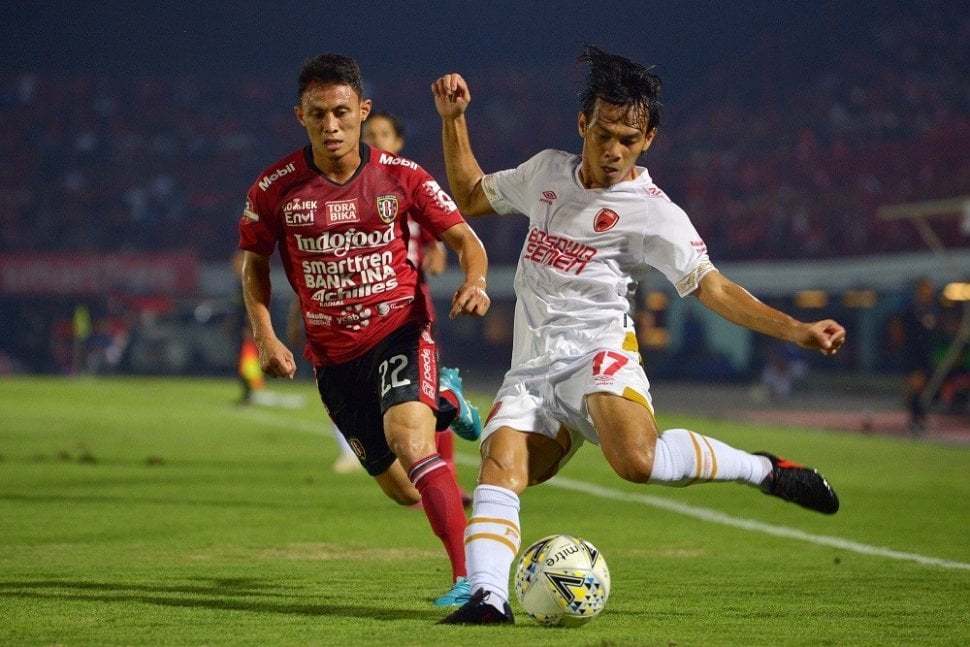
[(605, 220), (387, 206)]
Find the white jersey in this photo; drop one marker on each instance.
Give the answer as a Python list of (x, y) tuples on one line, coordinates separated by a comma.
[(585, 252)]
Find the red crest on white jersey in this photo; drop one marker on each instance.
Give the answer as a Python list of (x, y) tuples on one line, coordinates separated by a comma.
[(605, 220)]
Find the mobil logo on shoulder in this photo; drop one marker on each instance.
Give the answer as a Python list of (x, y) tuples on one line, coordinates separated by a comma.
[(275, 175), (393, 160)]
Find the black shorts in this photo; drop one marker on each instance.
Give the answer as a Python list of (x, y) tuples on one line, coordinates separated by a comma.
[(403, 367)]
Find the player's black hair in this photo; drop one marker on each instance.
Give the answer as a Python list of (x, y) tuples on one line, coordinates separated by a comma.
[(330, 68), (396, 124), (622, 82)]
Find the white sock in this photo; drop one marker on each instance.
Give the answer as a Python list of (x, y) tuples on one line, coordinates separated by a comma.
[(683, 457), (492, 541)]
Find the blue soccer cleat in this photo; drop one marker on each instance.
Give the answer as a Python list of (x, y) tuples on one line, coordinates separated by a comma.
[(468, 423), (457, 596)]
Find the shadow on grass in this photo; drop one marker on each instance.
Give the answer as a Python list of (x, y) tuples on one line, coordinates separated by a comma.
[(220, 594)]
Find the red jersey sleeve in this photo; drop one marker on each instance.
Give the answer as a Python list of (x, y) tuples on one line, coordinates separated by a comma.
[(258, 229), (433, 208)]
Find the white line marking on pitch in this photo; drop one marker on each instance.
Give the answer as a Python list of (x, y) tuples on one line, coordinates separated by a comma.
[(697, 512)]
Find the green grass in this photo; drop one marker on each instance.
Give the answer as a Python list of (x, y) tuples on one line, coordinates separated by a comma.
[(156, 512)]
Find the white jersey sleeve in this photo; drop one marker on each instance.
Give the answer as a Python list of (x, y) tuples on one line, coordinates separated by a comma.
[(672, 245), (510, 191)]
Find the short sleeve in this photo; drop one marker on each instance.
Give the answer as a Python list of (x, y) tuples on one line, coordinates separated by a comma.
[(510, 191), (258, 229), (674, 247)]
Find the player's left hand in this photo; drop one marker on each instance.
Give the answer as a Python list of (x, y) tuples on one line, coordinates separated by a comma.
[(470, 299), (827, 336)]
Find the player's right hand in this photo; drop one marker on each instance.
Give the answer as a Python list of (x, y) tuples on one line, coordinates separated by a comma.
[(275, 358), (451, 95), (826, 336), (471, 300)]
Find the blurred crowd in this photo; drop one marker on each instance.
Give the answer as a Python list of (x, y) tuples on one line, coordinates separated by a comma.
[(771, 156), (774, 154)]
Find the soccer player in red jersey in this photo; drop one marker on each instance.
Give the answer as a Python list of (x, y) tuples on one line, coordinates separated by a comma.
[(336, 211)]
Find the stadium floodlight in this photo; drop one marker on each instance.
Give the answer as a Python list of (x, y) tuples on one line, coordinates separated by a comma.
[(957, 291)]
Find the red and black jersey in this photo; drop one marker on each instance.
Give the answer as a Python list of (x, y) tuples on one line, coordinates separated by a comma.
[(344, 247)]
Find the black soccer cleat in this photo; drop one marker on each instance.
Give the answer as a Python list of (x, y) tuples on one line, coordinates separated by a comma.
[(799, 484), (477, 611)]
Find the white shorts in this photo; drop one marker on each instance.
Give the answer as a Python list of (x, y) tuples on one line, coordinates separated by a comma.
[(541, 400)]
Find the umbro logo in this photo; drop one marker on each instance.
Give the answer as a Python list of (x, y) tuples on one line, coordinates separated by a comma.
[(548, 197)]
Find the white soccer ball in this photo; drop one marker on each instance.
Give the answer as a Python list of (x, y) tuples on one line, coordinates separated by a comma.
[(562, 581)]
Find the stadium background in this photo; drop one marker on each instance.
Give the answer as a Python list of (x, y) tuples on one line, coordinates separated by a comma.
[(130, 133)]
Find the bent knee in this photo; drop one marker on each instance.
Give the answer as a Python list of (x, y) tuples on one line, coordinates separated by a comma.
[(404, 498), (636, 469)]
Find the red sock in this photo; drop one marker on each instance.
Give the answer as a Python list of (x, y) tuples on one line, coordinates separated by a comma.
[(444, 442), (442, 504)]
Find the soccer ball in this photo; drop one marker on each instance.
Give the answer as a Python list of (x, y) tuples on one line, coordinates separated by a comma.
[(562, 581)]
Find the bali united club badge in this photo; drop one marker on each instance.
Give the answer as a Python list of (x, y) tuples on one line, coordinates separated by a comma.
[(387, 207)]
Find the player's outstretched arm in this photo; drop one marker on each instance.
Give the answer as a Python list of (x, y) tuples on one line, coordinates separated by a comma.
[(274, 357), (294, 323), (435, 259), (470, 298), (737, 305), (451, 99)]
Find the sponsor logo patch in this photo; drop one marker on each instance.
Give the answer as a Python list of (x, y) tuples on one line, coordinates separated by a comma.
[(248, 213), (655, 192), (341, 211), (275, 175), (299, 213), (390, 160), (557, 251), (442, 199), (428, 384), (357, 446)]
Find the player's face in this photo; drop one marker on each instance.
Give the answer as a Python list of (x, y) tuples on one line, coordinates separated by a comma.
[(332, 116), (379, 133), (612, 143)]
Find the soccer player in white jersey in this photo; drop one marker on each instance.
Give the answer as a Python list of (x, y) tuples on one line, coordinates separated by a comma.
[(597, 222)]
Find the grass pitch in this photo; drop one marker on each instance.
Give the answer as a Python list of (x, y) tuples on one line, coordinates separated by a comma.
[(157, 512)]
